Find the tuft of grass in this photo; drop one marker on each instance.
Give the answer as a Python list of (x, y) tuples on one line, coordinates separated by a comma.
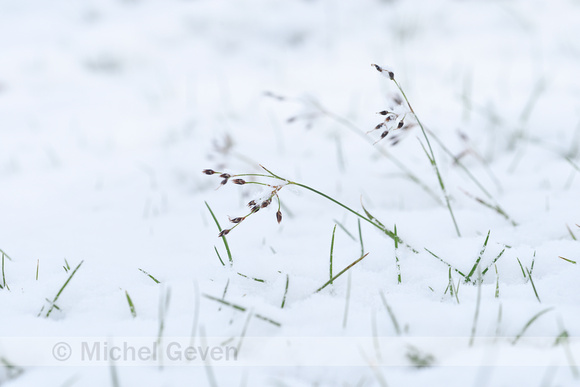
[(53, 302), (530, 322), (391, 314), (223, 236), (453, 291), (341, 273), (131, 305), (150, 276)]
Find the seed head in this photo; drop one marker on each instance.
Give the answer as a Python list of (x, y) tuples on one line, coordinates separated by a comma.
[(384, 112), (384, 134), (255, 209), (252, 203), (208, 171), (225, 175), (237, 220), (382, 70), (400, 125), (239, 181), (279, 216), (266, 203), (223, 233), (224, 182)]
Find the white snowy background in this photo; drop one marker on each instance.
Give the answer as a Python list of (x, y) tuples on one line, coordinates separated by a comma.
[(110, 110)]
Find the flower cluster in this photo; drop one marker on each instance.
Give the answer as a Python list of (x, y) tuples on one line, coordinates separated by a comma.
[(254, 205)]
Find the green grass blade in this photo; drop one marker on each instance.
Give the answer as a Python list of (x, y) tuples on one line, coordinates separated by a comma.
[(397, 256), (493, 262), (533, 286), (332, 250), (285, 291), (360, 237), (223, 237), (341, 226), (131, 305), (341, 273), (240, 308), (468, 278), (530, 322), (567, 260), (521, 267), (391, 314), (219, 256), (443, 261), (150, 276), (53, 302)]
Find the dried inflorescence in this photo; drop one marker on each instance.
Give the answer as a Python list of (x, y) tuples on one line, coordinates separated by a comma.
[(395, 118), (254, 205)]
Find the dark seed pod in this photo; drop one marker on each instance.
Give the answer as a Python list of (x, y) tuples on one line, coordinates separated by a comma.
[(224, 181), (384, 134), (392, 75), (255, 209), (379, 125), (252, 203), (223, 233), (266, 203), (379, 68), (225, 175), (384, 112), (400, 125), (239, 181), (237, 220), (208, 171), (279, 216)]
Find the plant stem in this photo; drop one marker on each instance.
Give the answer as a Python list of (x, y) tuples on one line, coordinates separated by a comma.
[(431, 159)]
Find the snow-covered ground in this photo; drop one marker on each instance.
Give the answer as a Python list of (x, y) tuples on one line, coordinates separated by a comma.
[(110, 110)]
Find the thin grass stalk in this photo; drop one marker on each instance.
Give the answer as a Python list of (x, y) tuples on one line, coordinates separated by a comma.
[(240, 308), (533, 286), (477, 305), (445, 262), (150, 276), (397, 256), (285, 291), (347, 302), (332, 251), (431, 158), (391, 314)]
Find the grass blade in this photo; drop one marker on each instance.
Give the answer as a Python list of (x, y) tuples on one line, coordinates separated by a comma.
[(285, 291), (131, 305), (223, 236), (493, 262), (391, 314), (397, 256), (533, 286), (477, 305), (341, 273), (240, 308), (332, 250), (53, 302), (521, 267), (468, 278), (567, 260), (150, 276), (530, 322), (448, 264)]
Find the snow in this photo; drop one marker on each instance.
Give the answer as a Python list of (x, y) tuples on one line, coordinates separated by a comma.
[(110, 110)]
